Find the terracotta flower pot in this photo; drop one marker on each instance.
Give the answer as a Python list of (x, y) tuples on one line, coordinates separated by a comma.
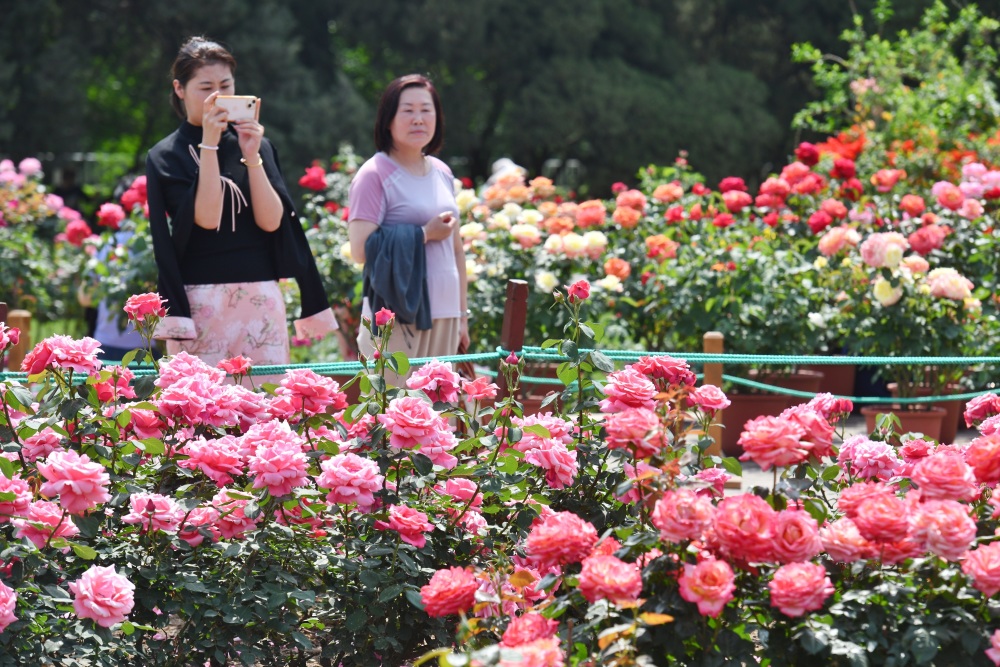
[(927, 421), (950, 423), (801, 380), (838, 379)]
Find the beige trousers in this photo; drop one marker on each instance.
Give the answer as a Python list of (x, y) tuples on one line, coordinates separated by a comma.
[(440, 340)]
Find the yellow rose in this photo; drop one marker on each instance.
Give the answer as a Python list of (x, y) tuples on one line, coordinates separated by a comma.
[(530, 217), (472, 231), (893, 256), (546, 281), (610, 284), (345, 252), (885, 293), (511, 210), (500, 221), (574, 245), (820, 263), (466, 199)]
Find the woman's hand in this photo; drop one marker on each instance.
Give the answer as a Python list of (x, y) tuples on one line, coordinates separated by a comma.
[(250, 134), (213, 121), (440, 227)]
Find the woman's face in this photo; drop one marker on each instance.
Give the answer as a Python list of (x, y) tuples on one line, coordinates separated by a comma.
[(415, 120), (215, 77)]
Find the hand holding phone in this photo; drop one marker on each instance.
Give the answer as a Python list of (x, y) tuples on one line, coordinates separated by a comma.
[(239, 107)]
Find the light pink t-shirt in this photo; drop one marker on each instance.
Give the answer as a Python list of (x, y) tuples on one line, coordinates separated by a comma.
[(387, 194)]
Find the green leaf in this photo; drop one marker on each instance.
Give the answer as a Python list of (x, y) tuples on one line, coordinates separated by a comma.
[(128, 628), (569, 349), (831, 473), (538, 430), (414, 598), (602, 361), (356, 620), (7, 468), (402, 363), (391, 592), (422, 464), (732, 466), (153, 446), (83, 551), (567, 373)]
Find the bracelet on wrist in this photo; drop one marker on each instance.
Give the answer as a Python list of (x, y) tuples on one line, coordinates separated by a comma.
[(260, 161), (206, 147)]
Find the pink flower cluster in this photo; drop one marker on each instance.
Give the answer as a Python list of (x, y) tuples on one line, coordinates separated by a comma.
[(64, 353), (437, 380), (413, 424)]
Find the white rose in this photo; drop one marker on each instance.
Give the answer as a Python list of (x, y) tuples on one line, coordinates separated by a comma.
[(885, 293), (546, 281), (610, 284), (573, 244), (893, 256), (526, 235), (511, 210), (466, 199), (472, 269), (472, 231), (530, 217), (500, 221), (817, 321), (553, 244), (595, 240)]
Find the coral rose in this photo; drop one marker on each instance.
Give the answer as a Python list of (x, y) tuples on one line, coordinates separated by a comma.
[(709, 584), (981, 407), (560, 539), (795, 536), (883, 518), (609, 578), (528, 628), (742, 528), (636, 430), (682, 514), (140, 306), (983, 454), (982, 565), (944, 475), (945, 528), (843, 542), (798, 588), (450, 591), (103, 595), (774, 441)]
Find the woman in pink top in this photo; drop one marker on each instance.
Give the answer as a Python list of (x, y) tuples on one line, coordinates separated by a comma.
[(403, 184)]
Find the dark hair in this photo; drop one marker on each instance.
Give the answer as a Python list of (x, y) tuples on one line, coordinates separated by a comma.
[(194, 54), (389, 105)]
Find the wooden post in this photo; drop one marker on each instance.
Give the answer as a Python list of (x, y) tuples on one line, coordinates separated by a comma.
[(515, 315), (714, 343), (22, 320), (3, 320)]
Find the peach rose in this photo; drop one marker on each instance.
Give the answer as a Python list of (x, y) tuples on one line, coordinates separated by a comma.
[(774, 441), (945, 528), (709, 584), (450, 591), (609, 578), (843, 542), (798, 588), (944, 475), (682, 514), (528, 628), (742, 528), (982, 565), (795, 536), (883, 518), (948, 283), (559, 539)]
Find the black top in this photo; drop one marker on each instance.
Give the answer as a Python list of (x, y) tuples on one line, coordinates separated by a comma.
[(187, 254)]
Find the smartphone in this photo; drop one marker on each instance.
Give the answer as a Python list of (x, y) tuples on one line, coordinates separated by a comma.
[(239, 107)]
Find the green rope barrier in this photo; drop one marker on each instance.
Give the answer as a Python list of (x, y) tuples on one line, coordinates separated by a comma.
[(856, 399)]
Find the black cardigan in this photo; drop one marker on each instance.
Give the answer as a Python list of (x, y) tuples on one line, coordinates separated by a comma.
[(172, 182)]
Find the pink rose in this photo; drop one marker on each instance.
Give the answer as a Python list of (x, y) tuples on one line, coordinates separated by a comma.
[(199, 521), (116, 384), (869, 459), (351, 479), (154, 512), (709, 399), (832, 408), (742, 528), (80, 483), (48, 515), (183, 365), (558, 462), (9, 336), (560, 539), (798, 588), (883, 518), (22, 497), (462, 491), (102, 595), (410, 422), (110, 215), (238, 365), (682, 514), (983, 454), (233, 521), (819, 431), (982, 565), (140, 306), (384, 316), (852, 496), (884, 249), (279, 467), (8, 602), (993, 652), (796, 536), (946, 283), (636, 430), (450, 591), (65, 353), (634, 199), (709, 584), (774, 441), (578, 291), (944, 475), (836, 239), (29, 166), (310, 392), (948, 195), (981, 407), (146, 423), (437, 380), (609, 578), (628, 388), (528, 628), (945, 527), (538, 653), (670, 372), (843, 542), (409, 523), (480, 389)]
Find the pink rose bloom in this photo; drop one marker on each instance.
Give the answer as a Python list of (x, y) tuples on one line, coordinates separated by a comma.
[(639, 474), (234, 405), (628, 388), (279, 467), (914, 451), (110, 215), (927, 238), (982, 565), (29, 166), (558, 428), (538, 653), (971, 209), (437, 380), (41, 445), (993, 652), (948, 195), (912, 205), (682, 514), (65, 353), (883, 518), (233, 521), (990, 426), (238, 365), (528, 628), (559, 539), (480, 389), (311, 393), (666, 370), (145, 423), (116, 384), (853, 495), (836, 239), (981, 407), (383, 317), (267, 434), (868, 459), (199, 521), (8, 603), (636, 430), (8, 335), (439, 449), (736, 201), (450, 591), (632, 199), (80, 483), (774, 441), (154, 512), (578, 291), (411, 421), (409, 523), (843, 542), (609, 578), (832, 408), (183, 365), (796, 536), (884, 249), (48, 514), (709, 399), (186, 401), (102, 595), (716, 479), (983, 454), (22, 497), (798, 588), (944, 475), (709, 584), (915, 264), (946, 283), (462, 491), (742, 528), (945, 527), (351, 479), (819, 431), (559, 463)]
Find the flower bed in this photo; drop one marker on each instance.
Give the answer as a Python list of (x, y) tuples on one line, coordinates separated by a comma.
[(179, 518)]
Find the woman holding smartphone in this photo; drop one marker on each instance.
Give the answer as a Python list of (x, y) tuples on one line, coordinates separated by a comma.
[(223, 225), (404, 188)]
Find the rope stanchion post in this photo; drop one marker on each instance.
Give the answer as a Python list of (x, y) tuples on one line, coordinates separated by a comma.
[(515, 316), (22, 320), (713, 342)]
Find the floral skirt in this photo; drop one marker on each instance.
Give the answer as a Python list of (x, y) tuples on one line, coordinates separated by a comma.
[(234, 319)]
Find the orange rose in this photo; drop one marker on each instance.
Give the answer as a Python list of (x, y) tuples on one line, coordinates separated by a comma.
[(617, 267)]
